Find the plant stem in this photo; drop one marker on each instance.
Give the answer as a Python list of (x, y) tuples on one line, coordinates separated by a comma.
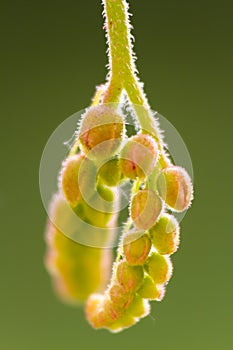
[(123, 70), (120, 50), (121, 56)]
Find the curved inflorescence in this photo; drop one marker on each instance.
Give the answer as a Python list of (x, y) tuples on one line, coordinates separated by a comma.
[(102, 158)]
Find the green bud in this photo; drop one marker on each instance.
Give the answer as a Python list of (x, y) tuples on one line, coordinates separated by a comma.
[(159, 268), (148, 289), (136, 247), (101, 132), (175, 188), (139, 307), (106, 193), (145, 209), (77, 270), (165, 235), (70, 273), (110, 173), (88, 212), (125, 321), (70, 281), (139, 156), (129, 277)]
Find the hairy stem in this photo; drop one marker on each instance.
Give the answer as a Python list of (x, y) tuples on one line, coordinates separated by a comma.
[(122, 68), (120, 50)]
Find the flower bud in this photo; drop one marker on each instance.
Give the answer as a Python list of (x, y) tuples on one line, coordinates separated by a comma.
[(69, 179), (136, 247), (129, 277), (104, 314), (125, 321), (112, 311), (139, 156), (80, 282), (92, 310), (105, 193), (148, 289), (110, 173), (139, 307), (175, 188), (159, 268), (77, 270), (101, 313), (145, 209), (165, 235), (101, 132), (88, 212), (77, 178), (119, 297)]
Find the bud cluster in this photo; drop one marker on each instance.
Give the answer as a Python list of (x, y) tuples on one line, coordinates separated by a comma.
[(76, 270), (143, 267), (86, 177), (140, 276)]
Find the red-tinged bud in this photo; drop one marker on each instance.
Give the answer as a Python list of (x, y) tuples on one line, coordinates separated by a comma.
[(129, 277), (136, 247), (77, 178), (100, 311), (139, 156), (145, 209), (159, 268), (112, 311), (69, 179), (119, 297), (165, 235), (175, 188), (93, 310), (101, 132)]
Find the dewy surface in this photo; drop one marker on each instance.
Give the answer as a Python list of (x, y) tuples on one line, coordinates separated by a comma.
[(105, 155)]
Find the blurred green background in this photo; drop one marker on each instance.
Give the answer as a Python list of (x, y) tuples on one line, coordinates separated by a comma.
[(52, 56)]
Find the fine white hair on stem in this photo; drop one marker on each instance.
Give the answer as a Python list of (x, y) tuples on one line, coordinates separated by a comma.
[(131, 39)]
